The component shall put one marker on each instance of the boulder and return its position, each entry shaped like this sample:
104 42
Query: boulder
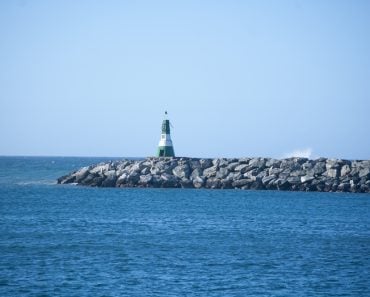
198 182
186 183
344 187
294 180
241 168
169 181
332 164
223 162
333 172
205 163
282 184
222 173
306 178
82 174
133 177
146 179
319 168
109 181
66 179
257 163
346 169
364 173
240 183
182 171
273 163
232 166
97 181
226 183
146 170
213 183
211 171
196 173
267 179
122 179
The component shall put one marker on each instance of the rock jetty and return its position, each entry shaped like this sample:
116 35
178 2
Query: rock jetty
292 174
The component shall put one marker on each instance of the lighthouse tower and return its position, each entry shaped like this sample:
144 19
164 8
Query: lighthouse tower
165 147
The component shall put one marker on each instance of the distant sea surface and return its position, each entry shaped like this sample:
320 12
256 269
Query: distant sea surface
63 240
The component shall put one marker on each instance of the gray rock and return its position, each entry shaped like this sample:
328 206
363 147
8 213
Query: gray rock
281 184
298 173
344 187
196 173
194 164
223 162
109 181
240 183
186 183
242 168
232 166
81 174
146 170
243 160
290 164
213 183
155 170
198 182
274 171
122 179
211 171
307 165
133 177
273 163
257 163
222 173
234 176
182 171
66 179
333 172
319 168
251 173
97 181
169 181
306 178
146 179
99 169
294 180
364 173
267 179
226 183
205 163
346 169
136 167
332 164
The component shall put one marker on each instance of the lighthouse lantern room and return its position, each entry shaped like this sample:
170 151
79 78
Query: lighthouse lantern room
165 147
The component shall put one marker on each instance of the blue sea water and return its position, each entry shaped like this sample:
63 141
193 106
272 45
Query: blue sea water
63 240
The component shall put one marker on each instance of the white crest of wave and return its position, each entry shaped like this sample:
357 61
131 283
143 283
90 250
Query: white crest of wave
300 153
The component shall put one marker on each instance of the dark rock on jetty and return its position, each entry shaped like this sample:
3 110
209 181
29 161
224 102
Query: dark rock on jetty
293 174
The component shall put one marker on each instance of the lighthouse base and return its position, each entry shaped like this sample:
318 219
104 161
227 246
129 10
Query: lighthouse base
165 151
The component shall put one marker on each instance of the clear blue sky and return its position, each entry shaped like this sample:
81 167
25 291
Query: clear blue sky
238 78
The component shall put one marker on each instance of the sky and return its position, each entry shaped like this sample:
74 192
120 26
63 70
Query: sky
238 78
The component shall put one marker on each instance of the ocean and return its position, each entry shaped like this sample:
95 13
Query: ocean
64 240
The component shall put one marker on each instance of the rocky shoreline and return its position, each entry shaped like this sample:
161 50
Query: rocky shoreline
292 174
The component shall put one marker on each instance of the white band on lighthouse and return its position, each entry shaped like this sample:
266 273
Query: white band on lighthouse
165 140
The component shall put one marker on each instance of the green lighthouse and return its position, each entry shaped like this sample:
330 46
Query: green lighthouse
165 147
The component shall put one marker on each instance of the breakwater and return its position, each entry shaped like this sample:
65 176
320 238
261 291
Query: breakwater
292 174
